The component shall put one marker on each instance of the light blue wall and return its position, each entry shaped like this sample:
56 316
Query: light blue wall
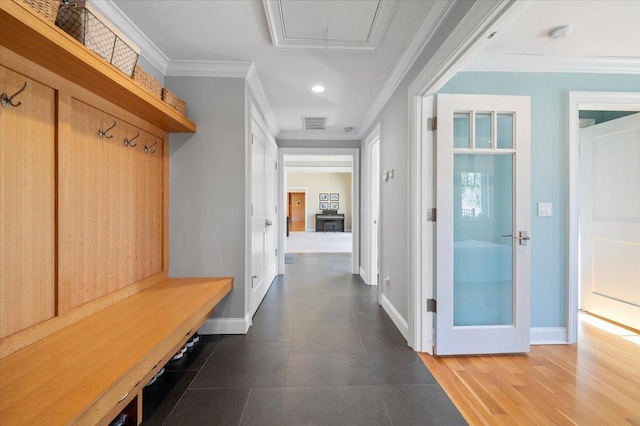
548 92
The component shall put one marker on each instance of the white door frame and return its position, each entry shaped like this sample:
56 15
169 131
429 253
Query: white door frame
469 37
367 269
355 197
598 101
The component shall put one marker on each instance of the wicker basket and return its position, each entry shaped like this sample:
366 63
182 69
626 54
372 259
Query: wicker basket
93 30
145 80
46 8
174 101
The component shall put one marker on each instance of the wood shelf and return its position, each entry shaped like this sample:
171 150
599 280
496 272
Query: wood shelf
38 40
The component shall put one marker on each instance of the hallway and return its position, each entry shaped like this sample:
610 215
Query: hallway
320 351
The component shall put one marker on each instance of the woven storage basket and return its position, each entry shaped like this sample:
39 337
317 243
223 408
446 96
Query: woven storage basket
174 101
46 8
145 80
90 28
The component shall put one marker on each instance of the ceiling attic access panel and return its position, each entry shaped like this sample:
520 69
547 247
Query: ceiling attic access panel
347 24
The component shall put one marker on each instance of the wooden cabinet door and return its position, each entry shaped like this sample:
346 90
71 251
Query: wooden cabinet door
27 204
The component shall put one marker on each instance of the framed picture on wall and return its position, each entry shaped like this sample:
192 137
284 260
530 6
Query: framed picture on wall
324 206
324 196
334 197
335 206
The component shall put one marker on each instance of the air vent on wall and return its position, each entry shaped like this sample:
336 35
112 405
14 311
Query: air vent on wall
310 122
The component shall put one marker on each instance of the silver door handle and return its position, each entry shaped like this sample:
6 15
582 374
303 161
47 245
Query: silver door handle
522 238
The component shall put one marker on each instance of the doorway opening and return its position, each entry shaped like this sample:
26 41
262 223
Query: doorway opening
330 179
604 222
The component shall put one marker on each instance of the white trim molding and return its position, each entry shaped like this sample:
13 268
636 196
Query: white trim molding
611 101
395 316
430 23
316 135
547 63
149 50
275 20
548 336
261 98
363 275
226 325
238 69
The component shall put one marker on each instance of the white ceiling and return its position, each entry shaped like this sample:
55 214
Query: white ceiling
235 33
605 32
235 30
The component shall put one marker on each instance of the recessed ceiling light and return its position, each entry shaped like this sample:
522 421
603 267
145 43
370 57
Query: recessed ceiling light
318 89
558 33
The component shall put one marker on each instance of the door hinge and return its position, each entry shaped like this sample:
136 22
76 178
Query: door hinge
432 215
276 252
276 209
431 305
432 124
276 166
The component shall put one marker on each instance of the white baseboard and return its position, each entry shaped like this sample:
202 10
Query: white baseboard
549 336
395 316
226 325
363 275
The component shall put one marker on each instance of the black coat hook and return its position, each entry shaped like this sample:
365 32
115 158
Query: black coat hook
127 142
6 100
148 150
103 133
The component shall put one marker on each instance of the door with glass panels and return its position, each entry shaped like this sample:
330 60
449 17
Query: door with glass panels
483 236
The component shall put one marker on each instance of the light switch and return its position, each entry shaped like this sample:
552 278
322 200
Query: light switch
545 209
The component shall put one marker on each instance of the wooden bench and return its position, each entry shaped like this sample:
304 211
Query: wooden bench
90 371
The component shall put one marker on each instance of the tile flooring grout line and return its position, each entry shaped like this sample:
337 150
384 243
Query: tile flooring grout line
244 409
384 404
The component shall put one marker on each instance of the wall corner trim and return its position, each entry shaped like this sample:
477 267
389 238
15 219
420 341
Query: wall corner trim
397 319
363 275
549 336
226 325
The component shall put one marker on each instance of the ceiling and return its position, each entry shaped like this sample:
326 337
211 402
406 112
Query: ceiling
359 49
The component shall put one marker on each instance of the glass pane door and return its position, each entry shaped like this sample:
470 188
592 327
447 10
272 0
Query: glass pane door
482 258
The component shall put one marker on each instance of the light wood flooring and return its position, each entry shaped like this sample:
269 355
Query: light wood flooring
596 382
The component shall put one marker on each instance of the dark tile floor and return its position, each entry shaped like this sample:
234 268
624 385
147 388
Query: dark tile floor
321 351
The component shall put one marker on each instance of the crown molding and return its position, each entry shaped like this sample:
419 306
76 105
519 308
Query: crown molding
468 38
261 98
315 135
275 22
430 23
150 51
232 69
547 63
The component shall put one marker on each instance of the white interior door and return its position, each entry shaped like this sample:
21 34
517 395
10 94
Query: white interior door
271 177
258 222
610 220
483 224
374 212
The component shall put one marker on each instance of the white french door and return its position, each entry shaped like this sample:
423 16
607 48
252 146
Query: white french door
483 224
610 220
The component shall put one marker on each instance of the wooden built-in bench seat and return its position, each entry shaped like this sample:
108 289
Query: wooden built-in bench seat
88 372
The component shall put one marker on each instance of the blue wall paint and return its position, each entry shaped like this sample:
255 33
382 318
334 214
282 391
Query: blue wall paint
548 92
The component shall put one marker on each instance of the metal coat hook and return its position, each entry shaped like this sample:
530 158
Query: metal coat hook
103 133
6 100
147 149
127 142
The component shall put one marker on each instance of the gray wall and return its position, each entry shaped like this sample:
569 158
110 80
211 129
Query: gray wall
308 143
394 154
207 186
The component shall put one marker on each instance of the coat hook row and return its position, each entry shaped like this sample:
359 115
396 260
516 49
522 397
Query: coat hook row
148 150
103 133
127 142
7 100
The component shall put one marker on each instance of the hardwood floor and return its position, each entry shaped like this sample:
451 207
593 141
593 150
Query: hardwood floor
596 382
